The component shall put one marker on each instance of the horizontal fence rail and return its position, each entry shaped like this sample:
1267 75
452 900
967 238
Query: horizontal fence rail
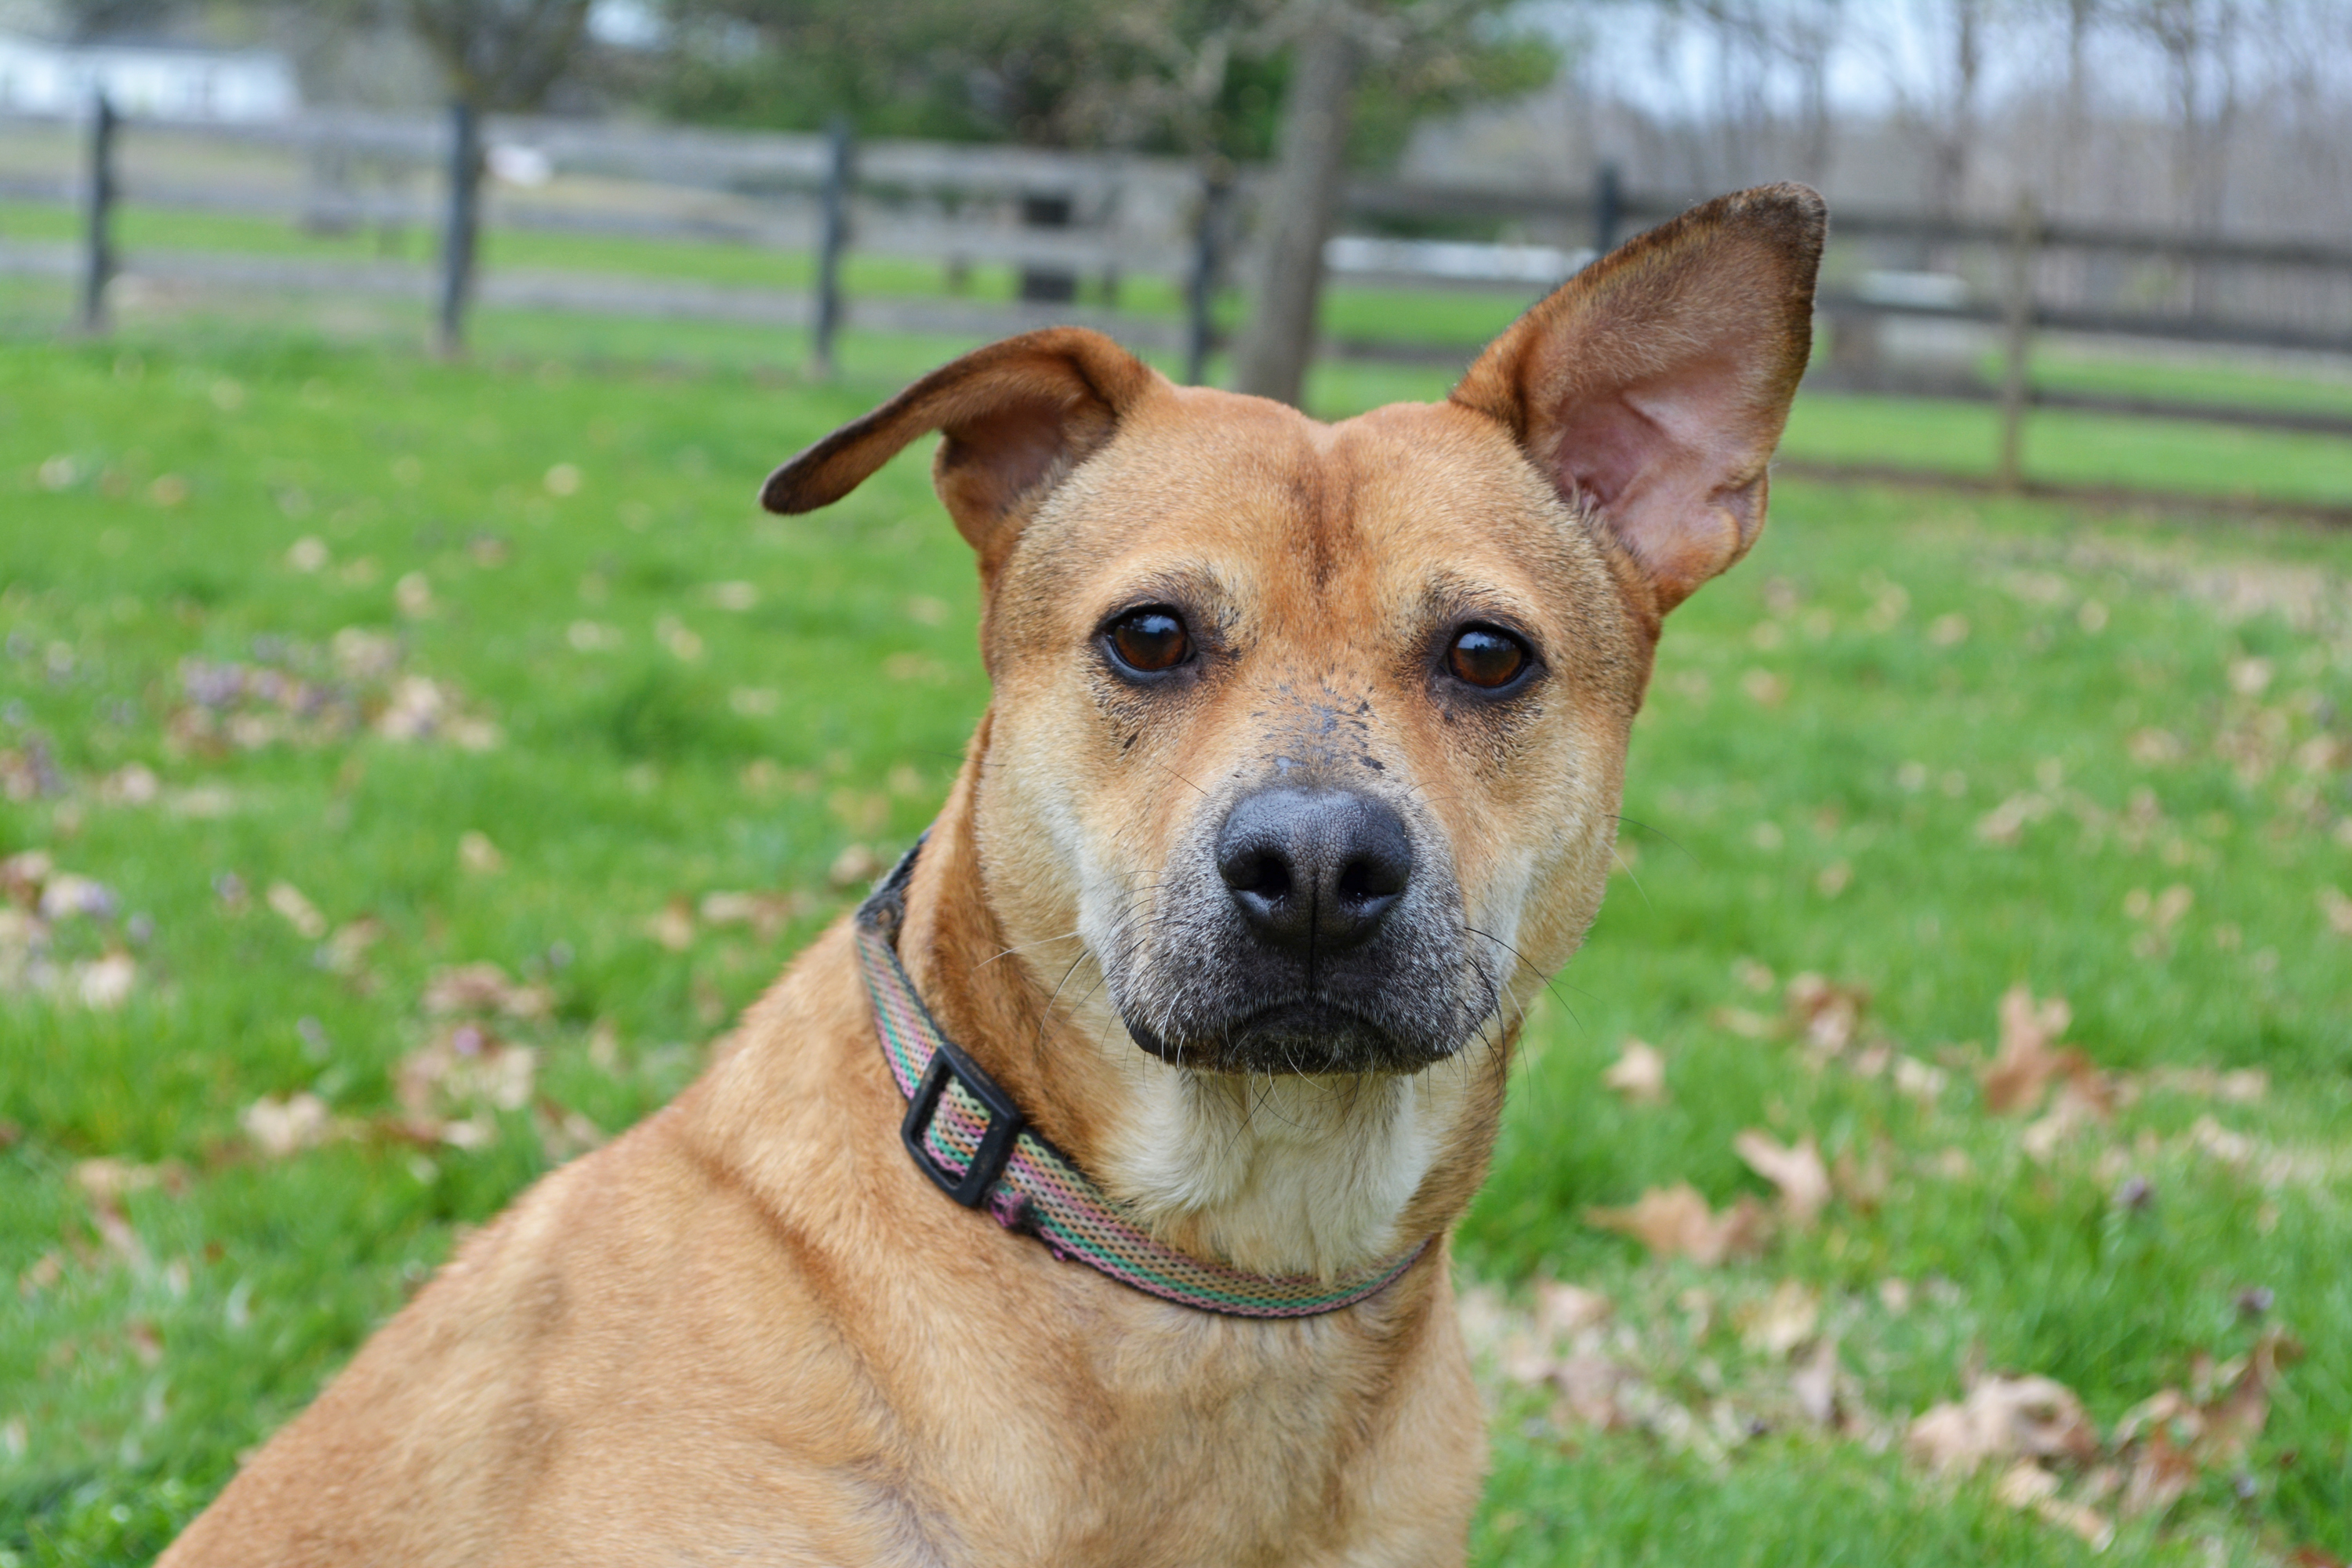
1069 223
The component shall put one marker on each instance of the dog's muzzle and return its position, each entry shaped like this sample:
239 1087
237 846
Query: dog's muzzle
1317 940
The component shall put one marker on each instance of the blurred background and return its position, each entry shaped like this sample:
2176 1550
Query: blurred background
2131 208
416 746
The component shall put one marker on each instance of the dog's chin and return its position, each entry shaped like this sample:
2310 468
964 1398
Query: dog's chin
1298 1038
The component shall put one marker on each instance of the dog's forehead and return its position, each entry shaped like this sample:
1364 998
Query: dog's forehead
1268 502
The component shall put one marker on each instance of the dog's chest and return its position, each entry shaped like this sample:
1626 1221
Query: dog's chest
1191 1440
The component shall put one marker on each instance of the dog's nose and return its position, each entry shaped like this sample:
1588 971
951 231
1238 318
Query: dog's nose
1314 870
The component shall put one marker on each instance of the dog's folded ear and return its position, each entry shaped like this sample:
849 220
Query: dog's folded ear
1018 416
1652 387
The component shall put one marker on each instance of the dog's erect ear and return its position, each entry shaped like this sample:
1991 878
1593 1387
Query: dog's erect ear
1653 386
1018 417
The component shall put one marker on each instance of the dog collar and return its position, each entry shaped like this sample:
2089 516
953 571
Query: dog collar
966 1134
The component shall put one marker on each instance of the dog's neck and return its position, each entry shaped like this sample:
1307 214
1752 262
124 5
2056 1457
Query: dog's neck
1320 1176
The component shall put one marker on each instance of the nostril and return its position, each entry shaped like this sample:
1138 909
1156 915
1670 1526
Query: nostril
1265 874
1367 878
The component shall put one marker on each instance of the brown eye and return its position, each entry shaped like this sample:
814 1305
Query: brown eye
1148 642
1485 656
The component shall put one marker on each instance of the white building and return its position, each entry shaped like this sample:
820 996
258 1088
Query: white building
159 81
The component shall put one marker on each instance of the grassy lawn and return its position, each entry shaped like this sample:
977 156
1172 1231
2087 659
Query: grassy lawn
327 669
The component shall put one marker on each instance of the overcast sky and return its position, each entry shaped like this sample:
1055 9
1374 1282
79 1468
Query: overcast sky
1886 53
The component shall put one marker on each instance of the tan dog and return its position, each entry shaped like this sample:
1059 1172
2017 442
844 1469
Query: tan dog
1299 777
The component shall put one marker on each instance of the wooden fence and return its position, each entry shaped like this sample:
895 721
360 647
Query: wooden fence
1075 225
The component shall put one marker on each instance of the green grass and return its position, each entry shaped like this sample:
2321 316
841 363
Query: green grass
1830 727
2184 380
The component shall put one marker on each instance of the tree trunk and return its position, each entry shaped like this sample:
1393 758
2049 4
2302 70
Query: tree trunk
2072 152
1951 174
461 230
1271 359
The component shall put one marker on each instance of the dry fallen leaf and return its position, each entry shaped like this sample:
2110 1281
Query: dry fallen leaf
1918 1079
478 854
1567 1311
1813 1382
24 874
134 783
1952 1164
1764 688
1825 1014
855 864
1589 1385
766 913
2232 1422
2004 826
1783 1321
66 896
1797 1171
449 1085
105 1183
1527 1347
44 1273
297 910
2083 1098
1861 1184
2027 1486
1485 1319
106 1180
422 709
1741 1021
1639 1074
2210 1137
2337 909
565 1133
345 952
674 926
1675 1222
2025 1064
2160 1474
2003 1419
484 989
104 983
281 1127
2242 1087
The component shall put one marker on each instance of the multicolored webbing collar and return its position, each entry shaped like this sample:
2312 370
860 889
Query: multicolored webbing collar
967 1135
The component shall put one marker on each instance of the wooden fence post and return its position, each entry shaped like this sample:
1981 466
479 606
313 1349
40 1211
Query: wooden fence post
2016 389
458 238
841 150
98 215
1608 209
1042 283
1201 289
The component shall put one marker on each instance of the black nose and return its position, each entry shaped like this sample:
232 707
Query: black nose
1314 870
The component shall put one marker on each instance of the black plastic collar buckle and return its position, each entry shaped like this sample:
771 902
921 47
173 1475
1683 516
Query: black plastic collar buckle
1004 1125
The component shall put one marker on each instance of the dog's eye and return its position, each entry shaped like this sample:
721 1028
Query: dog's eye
1150 641
1485 656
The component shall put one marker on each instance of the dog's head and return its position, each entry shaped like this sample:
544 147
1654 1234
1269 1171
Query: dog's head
1313 734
